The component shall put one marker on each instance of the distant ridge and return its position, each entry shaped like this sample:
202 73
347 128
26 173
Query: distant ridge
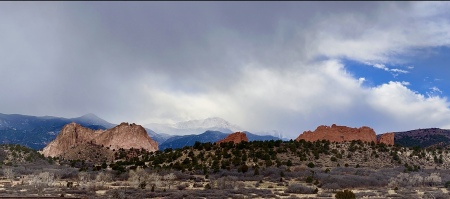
181 141
93 119
427 137
176 142
37 131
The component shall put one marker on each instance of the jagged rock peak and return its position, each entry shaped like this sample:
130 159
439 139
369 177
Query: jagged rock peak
235 137
339 134
124 136
70 136
127 136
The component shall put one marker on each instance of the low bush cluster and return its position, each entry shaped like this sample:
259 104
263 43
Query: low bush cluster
301 189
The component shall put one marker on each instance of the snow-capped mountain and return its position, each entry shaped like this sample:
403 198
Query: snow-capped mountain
274 133
213 122
195 127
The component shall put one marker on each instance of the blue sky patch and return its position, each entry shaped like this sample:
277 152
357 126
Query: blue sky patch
426 73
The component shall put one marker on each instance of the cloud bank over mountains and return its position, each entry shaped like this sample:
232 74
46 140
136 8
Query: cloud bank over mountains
260 65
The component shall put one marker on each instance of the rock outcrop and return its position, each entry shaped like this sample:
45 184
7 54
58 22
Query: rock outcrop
234 137
70 136
387 138
124 136
339 134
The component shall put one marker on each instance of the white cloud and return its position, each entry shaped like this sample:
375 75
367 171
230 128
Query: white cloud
321 93
151 66
405 83
394 30
361 80
396 70
276 84
408 109
381 66
434 91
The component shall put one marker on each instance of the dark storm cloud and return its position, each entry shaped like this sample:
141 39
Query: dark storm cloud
192 40
138 61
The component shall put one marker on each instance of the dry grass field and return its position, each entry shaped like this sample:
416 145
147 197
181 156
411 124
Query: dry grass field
248 170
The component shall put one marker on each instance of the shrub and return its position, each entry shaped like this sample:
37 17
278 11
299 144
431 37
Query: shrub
208 186
181 186
447 184
243 168
311 165
300 189
331 186
346 194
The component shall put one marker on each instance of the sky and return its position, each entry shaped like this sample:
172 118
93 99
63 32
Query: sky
285 66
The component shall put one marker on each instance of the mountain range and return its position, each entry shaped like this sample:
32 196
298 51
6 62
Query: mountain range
195 127
37 131
208 130
208 136
429 137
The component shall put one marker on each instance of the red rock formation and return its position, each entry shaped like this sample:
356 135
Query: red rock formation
387 138
122 136
339 134
126 136
235 137
70 136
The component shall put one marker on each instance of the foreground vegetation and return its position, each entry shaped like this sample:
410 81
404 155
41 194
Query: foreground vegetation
269 169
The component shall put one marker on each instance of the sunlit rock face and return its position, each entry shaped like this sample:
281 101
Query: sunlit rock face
387 138
234 137
124 136
339 134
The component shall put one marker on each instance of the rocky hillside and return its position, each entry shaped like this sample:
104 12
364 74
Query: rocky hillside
13 154
423 137
343 133
124 136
